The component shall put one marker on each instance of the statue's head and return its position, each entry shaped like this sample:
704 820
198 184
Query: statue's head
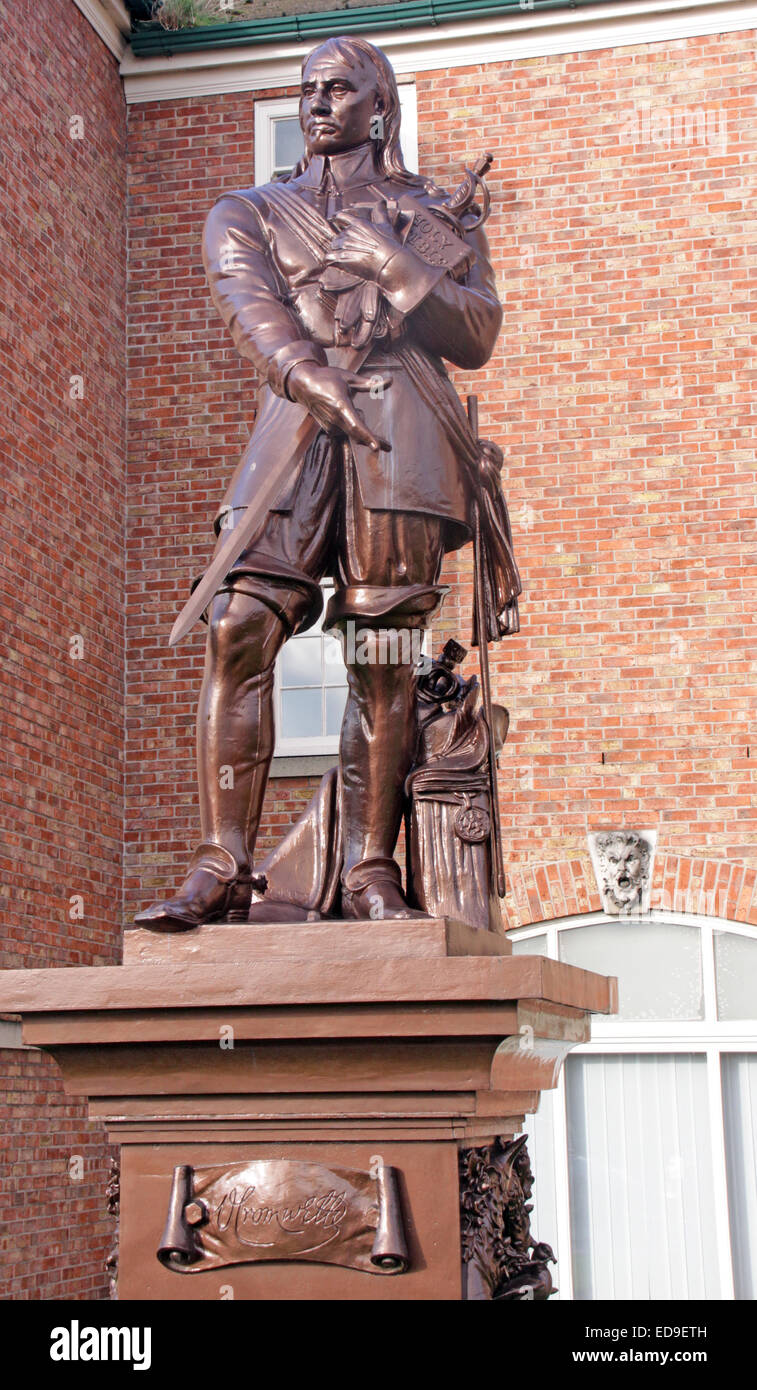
624 857
349 96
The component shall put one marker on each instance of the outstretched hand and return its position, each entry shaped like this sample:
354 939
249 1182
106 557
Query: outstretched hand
325 392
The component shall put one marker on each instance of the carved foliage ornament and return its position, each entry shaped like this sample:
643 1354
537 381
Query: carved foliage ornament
113 1198
500 1258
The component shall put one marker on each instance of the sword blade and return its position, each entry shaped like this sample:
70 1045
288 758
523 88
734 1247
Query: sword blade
282 437
275 465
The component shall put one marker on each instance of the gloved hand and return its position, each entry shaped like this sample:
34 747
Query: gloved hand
325 392
366 248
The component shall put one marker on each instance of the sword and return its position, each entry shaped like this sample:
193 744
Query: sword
284 430
482 633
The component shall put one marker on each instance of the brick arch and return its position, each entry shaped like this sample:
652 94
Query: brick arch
680 883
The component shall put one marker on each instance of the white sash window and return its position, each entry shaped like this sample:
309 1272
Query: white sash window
645 1156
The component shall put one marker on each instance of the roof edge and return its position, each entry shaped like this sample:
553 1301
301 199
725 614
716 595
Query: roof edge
150 40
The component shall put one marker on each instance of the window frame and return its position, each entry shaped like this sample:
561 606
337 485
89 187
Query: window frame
267 112
708 1036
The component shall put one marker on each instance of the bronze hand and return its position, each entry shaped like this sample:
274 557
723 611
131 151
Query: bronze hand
325 392
363 247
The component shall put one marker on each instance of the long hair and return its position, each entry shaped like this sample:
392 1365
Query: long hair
356 53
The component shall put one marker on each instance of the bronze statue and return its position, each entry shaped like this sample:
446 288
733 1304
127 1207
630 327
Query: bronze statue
351 279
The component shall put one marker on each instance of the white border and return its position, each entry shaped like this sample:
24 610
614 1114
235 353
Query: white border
266 114
110 20
464 43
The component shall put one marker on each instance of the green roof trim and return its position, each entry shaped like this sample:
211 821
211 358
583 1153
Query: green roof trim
151 40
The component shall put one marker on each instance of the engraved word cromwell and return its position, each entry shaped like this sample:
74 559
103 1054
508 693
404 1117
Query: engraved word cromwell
236 1211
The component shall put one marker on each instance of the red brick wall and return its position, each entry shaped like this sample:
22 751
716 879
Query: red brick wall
620 392
62 461
55 1232
567 888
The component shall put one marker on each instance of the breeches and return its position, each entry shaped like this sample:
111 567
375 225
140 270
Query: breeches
385 565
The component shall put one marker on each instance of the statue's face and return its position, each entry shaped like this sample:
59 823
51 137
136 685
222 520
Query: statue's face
624 871
337 104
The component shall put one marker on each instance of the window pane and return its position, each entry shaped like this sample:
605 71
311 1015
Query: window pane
301 662
736 973
641 1190
301 713
658 965
544 1199
335 700
311 665
530 946
327 589
288 143
740 1111
335 672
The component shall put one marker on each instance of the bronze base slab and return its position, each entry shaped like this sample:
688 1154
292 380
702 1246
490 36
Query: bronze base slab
333 1043
327 940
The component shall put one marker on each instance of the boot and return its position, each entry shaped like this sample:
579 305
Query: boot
211 890
377 747
373 889
235 738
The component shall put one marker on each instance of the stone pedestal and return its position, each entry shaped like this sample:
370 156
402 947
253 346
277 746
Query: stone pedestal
354 1046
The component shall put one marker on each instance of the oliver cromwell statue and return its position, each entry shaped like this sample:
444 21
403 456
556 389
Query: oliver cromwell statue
347 284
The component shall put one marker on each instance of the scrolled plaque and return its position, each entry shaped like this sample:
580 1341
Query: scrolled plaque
282 1209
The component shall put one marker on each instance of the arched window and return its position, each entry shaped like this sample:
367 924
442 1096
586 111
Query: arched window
646 1154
